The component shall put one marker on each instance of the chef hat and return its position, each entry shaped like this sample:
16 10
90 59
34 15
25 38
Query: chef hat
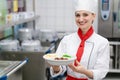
87 5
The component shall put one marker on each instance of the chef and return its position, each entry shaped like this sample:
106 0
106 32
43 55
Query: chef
91 49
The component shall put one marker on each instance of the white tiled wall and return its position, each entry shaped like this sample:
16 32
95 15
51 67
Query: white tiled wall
29 5
55 14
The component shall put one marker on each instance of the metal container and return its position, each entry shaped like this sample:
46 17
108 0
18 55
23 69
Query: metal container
25 34
48 35
9 45
31 45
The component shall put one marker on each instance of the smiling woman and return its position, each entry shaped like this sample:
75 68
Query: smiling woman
84 19
91 49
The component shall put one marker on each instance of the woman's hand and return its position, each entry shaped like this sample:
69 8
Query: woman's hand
56 68
77 68
81 69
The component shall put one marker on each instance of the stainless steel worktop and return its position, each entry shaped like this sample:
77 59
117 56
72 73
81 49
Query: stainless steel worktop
35 67
8 68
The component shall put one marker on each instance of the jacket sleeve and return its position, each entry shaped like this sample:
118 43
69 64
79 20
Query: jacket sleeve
61 72
61 49
101 66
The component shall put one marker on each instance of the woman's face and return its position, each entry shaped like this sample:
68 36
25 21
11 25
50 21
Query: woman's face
84 20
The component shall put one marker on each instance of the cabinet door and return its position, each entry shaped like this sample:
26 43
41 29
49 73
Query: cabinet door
116 23
105 26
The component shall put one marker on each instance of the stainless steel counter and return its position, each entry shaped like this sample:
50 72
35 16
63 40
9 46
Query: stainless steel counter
35 67
9 68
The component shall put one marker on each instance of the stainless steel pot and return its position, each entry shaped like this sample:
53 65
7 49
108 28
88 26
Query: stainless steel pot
31 45
48 35
25 34
9 45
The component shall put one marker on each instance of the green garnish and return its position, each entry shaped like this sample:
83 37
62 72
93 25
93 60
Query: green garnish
66 56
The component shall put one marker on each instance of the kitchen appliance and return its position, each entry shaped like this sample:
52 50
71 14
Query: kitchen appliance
109 18
109 27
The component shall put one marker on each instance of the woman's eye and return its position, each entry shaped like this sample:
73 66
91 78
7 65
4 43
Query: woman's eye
85 15
77 15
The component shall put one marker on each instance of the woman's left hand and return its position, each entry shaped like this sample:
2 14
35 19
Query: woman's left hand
77 68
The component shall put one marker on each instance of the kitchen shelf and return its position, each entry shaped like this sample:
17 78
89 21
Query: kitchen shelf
1 38
17 22
114 43
114 71
116 57
12 24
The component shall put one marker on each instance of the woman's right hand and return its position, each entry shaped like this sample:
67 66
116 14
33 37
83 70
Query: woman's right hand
56 68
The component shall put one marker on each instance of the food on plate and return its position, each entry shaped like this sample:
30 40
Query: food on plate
56 59
50 56
66 56
61 58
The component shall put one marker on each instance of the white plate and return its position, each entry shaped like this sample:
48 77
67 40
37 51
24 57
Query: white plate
50 58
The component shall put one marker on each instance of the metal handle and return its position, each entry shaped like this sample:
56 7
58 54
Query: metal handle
19 66
52 47
114 16
4 77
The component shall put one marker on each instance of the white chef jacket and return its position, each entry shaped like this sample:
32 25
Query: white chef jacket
95 56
